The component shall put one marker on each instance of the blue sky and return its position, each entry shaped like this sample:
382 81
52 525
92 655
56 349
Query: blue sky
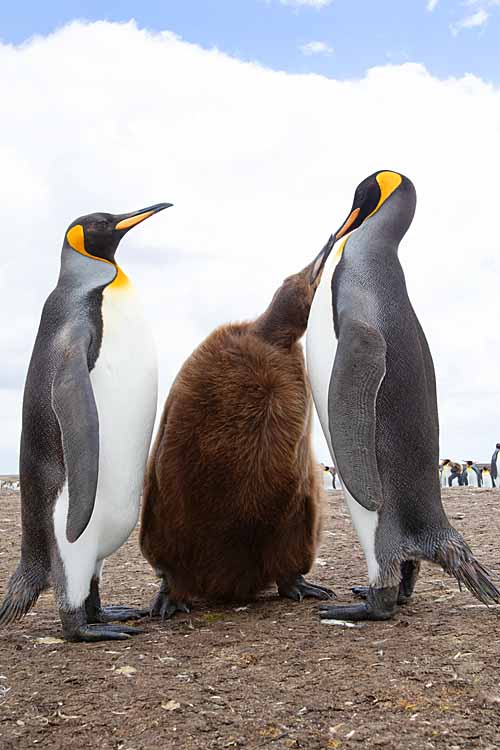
451 37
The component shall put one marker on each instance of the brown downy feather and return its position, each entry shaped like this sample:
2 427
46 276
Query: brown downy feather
232 495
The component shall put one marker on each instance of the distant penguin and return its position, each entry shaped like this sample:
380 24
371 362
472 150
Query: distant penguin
486 479
473 474
329 477
445 472
88 413
232 498
495 468
456 478
373 384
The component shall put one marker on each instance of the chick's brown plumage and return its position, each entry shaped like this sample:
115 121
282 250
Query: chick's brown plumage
232 492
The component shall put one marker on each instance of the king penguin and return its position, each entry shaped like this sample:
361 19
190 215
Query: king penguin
495 460
88 412
486 480
373 383
473 474
445 471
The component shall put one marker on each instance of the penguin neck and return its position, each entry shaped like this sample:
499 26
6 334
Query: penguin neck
387 227
86 272
278 325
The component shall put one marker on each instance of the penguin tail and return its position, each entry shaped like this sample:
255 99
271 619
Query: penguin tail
456 558
23 590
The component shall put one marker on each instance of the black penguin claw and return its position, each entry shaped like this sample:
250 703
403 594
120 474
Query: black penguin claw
300 588
121 613
360 591
93 633
164 607
380 604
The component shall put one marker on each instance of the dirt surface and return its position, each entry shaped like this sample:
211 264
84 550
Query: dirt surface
269 675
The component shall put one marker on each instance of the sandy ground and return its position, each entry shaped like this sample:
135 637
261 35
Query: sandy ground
269 675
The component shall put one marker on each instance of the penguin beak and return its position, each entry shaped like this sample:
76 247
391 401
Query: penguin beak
319 262
346 226
316 267
127 221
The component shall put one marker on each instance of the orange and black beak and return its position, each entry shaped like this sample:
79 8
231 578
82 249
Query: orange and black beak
319 262
127 221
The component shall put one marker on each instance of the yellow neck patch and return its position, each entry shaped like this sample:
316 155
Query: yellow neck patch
388 182
340 250
76 239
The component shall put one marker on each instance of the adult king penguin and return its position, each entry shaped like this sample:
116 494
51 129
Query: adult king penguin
486 480
473 474
88 412
373 384
445 471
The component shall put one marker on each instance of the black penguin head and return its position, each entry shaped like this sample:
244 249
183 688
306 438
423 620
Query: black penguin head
98 235
369 197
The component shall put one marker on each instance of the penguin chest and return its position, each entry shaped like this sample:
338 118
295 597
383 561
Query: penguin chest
486 477
472 478
321 348
321 345
124 381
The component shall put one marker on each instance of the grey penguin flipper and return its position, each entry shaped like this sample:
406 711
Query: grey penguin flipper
358 371
75 407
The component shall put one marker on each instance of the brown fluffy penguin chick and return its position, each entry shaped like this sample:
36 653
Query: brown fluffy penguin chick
232 494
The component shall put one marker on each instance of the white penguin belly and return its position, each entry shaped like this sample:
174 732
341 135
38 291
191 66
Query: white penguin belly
487 483
444 477
124 382
321 347
472 478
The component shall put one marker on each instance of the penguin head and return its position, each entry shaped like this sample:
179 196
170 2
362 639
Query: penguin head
369 197
98 235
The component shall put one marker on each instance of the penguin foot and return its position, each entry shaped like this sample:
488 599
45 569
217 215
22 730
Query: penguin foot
362 593
97 632
119 613
409 574
299 588
165 607
380 604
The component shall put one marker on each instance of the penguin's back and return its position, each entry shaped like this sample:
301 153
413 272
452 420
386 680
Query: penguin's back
241 408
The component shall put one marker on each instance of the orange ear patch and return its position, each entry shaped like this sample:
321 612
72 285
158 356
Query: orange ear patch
388 182
76 239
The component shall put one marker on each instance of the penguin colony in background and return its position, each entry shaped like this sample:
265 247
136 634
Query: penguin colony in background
455 474
232 500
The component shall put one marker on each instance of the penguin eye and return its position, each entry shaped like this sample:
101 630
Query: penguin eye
360 196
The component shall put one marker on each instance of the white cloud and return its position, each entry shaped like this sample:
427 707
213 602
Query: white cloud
432 5
261 167
316 48
307 3
474 20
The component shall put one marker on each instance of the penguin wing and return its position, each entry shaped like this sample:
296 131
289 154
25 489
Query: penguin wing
358 371
74 405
